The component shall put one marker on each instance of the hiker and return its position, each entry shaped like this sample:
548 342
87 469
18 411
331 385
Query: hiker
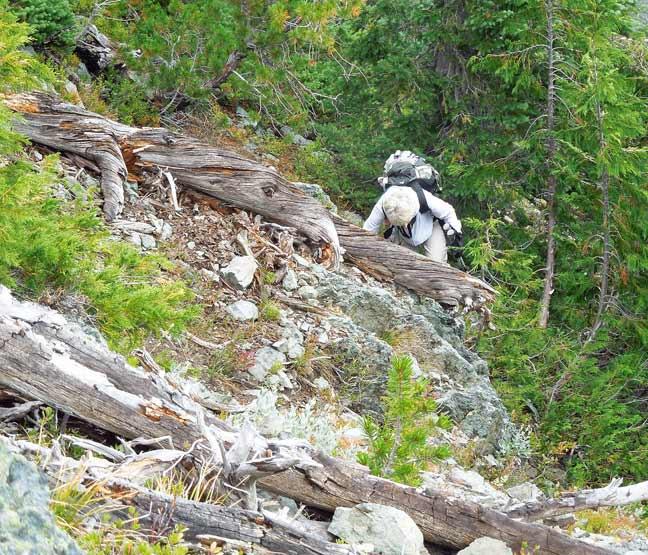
414 215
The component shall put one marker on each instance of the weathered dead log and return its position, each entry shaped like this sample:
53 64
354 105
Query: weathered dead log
390 262
263 529
118 149
612 495
45 357
18 411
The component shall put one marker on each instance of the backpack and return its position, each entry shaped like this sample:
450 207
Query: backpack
406 169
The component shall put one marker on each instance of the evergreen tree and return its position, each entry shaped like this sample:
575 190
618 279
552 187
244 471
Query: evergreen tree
399 446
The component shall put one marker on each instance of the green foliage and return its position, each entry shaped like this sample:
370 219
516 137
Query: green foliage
53 245
18 72
185 45
398 447
270 311
52 21
469 91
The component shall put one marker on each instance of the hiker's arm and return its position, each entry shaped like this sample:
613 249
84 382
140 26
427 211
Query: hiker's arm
444 212
375 219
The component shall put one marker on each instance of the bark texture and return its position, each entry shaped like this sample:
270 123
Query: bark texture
120 151
613 495
45 357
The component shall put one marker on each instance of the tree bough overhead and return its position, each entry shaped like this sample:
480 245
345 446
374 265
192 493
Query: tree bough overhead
119 151
46 357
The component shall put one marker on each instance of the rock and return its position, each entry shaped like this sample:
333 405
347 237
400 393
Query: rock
391 531
416 368
486 546
526 492
468 478
26 525
290 281
314 190
72 91
321 383
265 359
82 73
239 273
280 380
163 230
464 484
128 226
637 544
352 217
148 241
136 239
245 119
291 342
95 50
295 138
243 311
307 292
458 377
209 275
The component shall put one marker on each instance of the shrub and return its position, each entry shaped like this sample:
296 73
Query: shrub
49 244
398 447
270 311
52 21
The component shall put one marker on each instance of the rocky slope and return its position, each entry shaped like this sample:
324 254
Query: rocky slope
304 352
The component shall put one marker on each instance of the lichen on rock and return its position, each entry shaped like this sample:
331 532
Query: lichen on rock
26 525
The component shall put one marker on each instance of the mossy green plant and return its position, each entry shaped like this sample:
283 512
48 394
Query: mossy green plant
61 247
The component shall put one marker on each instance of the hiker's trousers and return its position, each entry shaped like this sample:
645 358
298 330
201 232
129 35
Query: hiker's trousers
434 247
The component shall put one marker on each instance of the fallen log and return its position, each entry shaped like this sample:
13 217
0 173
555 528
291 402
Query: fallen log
264 529
120 151
45 357
612 495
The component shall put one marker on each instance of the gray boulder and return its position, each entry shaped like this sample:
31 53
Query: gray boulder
307 292
26 525
295 138
434 337
243 311
389 530
239 273
486 546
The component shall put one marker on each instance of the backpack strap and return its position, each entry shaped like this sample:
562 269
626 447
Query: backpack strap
420 194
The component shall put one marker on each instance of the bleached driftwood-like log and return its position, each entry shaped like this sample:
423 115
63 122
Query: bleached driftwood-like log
18 411
262 529
45 357
612 495
119 150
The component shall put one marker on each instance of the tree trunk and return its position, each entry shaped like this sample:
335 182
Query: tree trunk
605 191
120 150
233 61
47 358
551 168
